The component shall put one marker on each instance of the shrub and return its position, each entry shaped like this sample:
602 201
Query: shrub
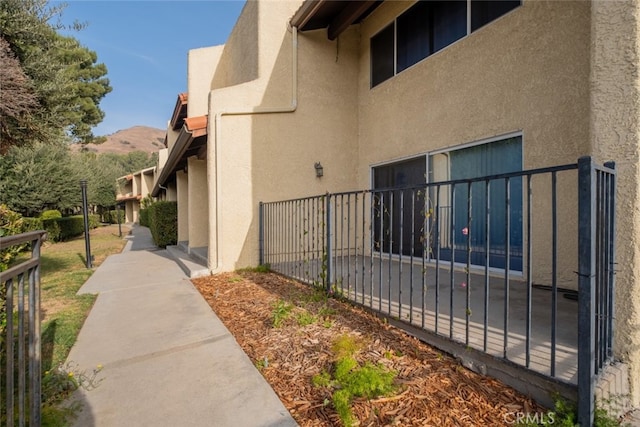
51 214
94 221
111 216
144 217
10 223
52 228
32 224
163 223
71 226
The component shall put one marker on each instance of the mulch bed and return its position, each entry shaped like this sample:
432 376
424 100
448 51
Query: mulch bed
433 388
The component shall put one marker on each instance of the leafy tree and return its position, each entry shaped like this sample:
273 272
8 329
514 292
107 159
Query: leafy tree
63 76
38 177
18 98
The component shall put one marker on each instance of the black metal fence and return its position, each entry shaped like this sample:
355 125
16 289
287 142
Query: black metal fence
512 264
20 367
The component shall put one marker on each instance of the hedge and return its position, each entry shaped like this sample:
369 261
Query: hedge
144 217
111 217
163 223
60 229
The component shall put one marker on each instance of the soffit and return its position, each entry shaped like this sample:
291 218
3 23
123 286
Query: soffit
335 15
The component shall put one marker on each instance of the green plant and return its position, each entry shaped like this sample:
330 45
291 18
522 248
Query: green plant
50 214
281 312
305 318
163 223
351 379
11 223
58 384
564 414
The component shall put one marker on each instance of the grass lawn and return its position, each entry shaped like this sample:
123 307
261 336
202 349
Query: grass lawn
63 272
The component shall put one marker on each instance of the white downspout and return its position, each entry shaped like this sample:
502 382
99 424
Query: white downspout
243 112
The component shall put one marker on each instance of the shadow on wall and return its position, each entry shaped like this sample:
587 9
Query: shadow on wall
240 65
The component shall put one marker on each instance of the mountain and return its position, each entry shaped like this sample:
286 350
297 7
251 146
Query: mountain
137 138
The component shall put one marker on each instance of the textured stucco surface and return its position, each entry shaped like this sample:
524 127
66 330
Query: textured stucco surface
615 135
264 157
526 72
562 74
201 65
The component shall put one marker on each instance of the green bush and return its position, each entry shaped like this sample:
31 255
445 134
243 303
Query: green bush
31 224
11 223
94 221
51 214
71 226
53 229
111 216
144 217
163 223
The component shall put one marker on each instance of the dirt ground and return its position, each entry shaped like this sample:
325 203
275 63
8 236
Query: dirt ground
433 389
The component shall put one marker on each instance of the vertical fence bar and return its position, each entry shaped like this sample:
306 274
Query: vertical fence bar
586 283
554 268
10 351
371 247
467 312
381 246
328 247
529 276
390 256
400 250
35 350
348 245
261 233
487 260
22 365
507 242
437 243
411 249
425 252
611 208
452 241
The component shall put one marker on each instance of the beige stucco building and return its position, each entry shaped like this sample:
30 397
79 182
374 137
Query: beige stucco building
131 189
365 91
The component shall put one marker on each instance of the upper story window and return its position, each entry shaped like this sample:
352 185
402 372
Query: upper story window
427 27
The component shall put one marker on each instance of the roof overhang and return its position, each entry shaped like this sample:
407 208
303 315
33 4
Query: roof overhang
179 112
192 137
334 15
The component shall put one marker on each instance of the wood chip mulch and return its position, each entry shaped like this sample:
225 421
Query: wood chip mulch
433 388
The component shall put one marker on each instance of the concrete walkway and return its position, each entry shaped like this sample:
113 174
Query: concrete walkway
167 359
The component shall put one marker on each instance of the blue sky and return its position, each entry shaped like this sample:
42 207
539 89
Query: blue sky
144 45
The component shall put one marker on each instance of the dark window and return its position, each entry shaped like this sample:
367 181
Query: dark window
485 11
449 22
414 39
425 28
382 56
399 211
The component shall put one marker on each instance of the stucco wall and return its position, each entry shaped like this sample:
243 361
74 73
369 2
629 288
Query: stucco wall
265 157
526 72
198 203
182 193
615 135
201 65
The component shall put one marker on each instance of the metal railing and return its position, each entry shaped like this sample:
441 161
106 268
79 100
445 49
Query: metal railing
488 262
20 367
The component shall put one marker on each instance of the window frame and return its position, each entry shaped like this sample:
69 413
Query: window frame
394 23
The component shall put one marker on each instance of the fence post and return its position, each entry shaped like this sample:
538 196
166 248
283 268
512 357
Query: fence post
85 210
586 285
328 248
35 346
261 233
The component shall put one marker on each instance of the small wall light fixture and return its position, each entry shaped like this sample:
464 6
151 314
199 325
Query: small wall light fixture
319 169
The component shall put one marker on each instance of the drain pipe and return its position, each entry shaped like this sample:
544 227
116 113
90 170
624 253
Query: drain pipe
252 111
